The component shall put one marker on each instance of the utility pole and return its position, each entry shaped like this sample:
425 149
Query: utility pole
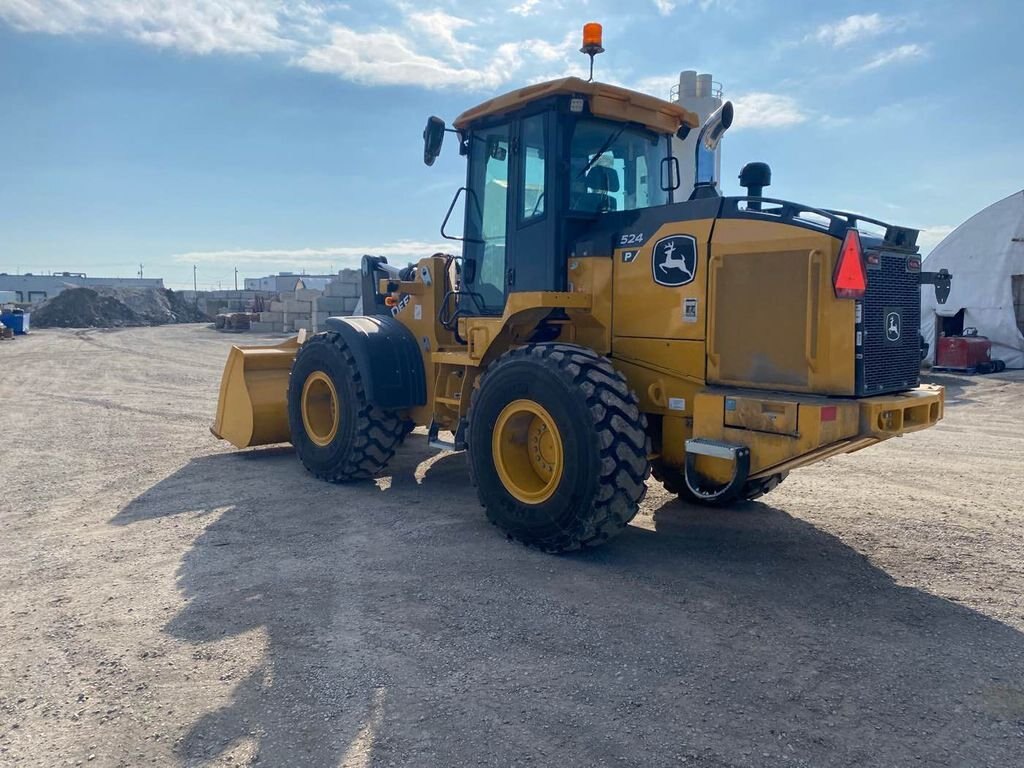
236 278
195 286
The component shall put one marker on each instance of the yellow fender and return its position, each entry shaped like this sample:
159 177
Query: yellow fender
253 404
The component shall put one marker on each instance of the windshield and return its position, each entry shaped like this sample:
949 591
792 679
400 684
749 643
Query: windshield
615 167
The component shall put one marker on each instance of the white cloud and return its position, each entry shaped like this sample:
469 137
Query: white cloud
665 7
656 85
525 8
440 26
437 55
767 110
932 236
338 256
426 48
851 29
407 46
388 58
832 121
900 53
195 26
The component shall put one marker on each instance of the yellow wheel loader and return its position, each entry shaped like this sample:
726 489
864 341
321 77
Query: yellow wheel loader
602 321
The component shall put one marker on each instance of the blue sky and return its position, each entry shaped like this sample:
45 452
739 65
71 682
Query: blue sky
283 134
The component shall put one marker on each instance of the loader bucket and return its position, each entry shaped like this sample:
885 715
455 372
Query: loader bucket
253 405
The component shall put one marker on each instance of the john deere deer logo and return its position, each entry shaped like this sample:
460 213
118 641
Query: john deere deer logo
892 326
674 262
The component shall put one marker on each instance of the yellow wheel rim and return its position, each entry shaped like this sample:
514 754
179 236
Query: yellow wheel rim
320 408
527 450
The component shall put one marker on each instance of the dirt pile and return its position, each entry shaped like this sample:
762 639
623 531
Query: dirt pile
114 308
183 310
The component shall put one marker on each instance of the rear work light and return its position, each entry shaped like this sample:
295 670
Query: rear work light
850 279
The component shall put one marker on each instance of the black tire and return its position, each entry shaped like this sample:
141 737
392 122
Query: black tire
366 436
603 442
672 478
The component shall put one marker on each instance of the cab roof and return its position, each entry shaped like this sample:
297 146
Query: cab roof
608 101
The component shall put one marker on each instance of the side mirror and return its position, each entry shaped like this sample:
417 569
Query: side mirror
433 135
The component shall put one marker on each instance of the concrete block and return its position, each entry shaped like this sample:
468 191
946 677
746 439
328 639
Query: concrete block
297 322
307 294
278 306
350 305
334 304
262 327
296 307
271 317
320 321
341 288
287 295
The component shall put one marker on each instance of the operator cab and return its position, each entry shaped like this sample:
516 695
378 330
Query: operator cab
544 163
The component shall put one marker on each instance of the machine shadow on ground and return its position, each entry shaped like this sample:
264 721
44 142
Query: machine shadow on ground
401 627
957 386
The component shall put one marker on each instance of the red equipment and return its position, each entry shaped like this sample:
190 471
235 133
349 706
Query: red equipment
966 353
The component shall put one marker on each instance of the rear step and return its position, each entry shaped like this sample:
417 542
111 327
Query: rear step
458 444
739 455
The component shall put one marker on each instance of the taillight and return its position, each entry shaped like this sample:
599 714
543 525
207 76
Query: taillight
850 279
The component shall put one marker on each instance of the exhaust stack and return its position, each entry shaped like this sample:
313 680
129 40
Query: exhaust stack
700 94
704 183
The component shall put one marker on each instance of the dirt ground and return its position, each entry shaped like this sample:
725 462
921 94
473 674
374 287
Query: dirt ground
169 601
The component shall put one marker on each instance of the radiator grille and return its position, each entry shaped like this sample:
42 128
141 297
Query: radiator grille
889 347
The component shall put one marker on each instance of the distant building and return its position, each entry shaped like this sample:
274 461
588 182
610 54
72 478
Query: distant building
985 255
31 289
287 281
315 282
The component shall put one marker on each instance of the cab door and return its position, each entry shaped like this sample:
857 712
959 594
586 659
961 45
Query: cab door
511 211
532 263
487 218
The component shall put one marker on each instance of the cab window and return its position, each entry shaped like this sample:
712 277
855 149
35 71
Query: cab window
486 221
533 168
615 167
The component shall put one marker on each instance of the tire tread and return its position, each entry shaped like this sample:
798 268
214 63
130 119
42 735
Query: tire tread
621 430
377 433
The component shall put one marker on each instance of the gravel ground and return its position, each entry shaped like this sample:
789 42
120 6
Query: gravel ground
169 601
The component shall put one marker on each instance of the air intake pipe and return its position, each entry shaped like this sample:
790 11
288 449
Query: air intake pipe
704 182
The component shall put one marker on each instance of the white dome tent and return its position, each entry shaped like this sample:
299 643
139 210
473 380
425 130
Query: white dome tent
985 255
